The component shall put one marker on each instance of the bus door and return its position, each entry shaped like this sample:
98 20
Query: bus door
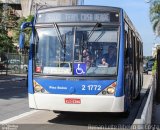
128 63
134 65
136 68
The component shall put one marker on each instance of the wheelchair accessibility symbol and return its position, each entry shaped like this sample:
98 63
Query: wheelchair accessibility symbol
79 69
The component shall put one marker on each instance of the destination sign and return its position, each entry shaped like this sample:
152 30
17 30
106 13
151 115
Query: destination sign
78 17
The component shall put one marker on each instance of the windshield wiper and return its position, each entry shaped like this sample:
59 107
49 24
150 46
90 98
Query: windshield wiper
100 36
59 35
60 39
92 31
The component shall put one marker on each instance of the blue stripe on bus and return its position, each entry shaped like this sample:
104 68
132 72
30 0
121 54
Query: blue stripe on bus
30 69
121 71
81 87
120 79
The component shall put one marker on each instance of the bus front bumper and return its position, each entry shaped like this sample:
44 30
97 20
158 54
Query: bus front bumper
81 103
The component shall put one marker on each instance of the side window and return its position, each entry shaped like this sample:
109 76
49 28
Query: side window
126 40
131 44
126 44
137 53
128 47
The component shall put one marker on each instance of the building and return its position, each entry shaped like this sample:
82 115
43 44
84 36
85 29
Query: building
25 8
14 4
11 12
154 49
28 6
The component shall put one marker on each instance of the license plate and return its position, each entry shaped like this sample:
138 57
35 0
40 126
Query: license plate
72 101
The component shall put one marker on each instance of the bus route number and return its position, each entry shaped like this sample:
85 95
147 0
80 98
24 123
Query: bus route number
91 87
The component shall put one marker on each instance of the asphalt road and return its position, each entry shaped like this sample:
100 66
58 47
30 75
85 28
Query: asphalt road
13 96
69 121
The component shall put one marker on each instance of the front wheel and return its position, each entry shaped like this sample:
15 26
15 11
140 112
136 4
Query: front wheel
126 113
138 96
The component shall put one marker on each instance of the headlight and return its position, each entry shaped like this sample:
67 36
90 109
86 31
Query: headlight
110 90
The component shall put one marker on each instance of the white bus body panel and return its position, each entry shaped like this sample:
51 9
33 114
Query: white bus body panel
89 103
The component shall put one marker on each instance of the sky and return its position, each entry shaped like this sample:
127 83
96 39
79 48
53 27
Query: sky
138 12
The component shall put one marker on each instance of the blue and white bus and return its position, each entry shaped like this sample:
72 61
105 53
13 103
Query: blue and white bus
66 71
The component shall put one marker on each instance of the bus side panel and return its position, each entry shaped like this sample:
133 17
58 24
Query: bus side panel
120 79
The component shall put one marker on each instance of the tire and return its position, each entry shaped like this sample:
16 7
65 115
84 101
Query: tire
147 72
57 112
126 114
138 97
62 112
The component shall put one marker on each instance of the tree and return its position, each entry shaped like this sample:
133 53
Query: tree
155 16
6 43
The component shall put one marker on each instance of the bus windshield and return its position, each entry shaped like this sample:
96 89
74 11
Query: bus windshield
77 50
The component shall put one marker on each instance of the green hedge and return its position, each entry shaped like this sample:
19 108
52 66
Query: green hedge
154 68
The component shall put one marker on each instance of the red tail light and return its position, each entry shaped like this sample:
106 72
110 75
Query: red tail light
38 69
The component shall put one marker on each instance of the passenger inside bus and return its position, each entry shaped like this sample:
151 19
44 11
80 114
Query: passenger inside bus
87 58
104 63
111 56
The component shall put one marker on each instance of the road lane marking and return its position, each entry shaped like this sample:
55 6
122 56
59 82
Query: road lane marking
18 117
17 79
1 81
13 79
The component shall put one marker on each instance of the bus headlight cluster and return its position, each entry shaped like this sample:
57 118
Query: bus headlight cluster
110 89
37 87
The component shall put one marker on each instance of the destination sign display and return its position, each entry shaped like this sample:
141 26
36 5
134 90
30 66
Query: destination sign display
78 17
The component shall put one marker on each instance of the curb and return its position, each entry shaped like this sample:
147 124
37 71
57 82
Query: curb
146 116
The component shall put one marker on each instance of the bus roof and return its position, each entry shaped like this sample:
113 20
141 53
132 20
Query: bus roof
84 7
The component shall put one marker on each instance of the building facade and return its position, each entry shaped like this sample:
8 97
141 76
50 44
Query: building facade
14 4
154 49
28 6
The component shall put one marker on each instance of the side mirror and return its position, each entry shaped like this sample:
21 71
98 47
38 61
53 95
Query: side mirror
26 25
22 36
21 40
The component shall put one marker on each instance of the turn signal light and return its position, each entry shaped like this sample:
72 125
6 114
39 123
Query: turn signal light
109 90
37 87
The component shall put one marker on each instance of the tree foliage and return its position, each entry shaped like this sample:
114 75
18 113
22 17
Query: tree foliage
6 43
155 16
11 23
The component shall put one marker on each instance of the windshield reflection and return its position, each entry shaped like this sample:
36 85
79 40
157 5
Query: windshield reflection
61 50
